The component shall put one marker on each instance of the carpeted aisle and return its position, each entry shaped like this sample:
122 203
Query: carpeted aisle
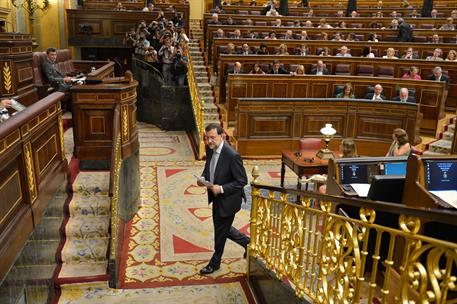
171 237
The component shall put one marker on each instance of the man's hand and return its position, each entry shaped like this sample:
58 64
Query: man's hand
6 103
216 189
199 182
67 79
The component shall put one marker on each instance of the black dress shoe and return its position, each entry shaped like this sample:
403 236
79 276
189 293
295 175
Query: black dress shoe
209 269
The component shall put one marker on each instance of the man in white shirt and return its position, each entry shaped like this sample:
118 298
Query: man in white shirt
377 94
344 52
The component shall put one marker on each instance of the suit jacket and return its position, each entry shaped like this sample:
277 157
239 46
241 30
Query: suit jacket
411 99
281 70
324 71
405 32
230 174
444 78
370 96
54 76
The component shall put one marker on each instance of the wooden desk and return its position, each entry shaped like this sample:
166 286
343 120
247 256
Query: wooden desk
306 163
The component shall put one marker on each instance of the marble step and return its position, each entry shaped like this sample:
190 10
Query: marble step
38 294
85 227
448 135
441 146
88 250
201 74
83 270
201 79
451 128
39 252
210 117
48 229
32 272
200 68
56 205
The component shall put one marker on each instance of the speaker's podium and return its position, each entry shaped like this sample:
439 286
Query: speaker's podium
94 108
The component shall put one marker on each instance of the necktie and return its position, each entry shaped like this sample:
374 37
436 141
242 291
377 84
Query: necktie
212 166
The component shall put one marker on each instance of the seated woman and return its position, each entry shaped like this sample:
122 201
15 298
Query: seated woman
257 70
390 54
300 70
451 56
367 52
348 92
413 73
282 50
400 145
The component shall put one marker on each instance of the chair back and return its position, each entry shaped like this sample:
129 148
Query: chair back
310 143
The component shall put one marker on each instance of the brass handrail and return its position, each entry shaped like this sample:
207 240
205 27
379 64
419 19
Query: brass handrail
330 258
198 105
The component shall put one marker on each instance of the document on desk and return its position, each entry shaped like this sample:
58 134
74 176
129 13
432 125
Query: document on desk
206 183
449 196
361 189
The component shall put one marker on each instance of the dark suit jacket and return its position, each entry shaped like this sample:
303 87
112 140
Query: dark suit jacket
281 70
370 96
444 78
230 174
411 99
54 76
405 32
314 71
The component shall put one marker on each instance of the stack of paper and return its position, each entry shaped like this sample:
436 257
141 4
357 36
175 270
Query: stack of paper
449 196
361 189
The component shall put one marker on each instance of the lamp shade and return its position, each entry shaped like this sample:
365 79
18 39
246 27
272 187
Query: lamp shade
328 130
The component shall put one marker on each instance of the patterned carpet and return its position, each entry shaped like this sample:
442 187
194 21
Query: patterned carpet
169 239
99 293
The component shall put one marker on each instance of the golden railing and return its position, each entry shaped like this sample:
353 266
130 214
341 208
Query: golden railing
198 105
331 258
116 162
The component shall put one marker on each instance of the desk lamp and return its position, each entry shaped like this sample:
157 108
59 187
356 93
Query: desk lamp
328 131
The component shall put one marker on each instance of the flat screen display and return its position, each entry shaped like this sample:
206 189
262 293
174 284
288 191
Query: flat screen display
396 168
441 175
353 173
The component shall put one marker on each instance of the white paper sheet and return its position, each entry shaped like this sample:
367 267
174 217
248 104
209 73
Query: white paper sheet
449 196
361 189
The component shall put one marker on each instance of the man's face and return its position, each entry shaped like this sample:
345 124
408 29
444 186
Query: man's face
403 94
437 73
276 66
52 56
214 139
320 65
378 90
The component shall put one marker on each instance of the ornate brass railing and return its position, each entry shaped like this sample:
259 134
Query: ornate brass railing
331 258
116 162
198 106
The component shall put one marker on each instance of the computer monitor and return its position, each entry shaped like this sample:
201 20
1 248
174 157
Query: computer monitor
355 173
440 174
394 168
387 188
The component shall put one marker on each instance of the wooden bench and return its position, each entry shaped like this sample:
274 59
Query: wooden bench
430 95
357 66
265 126
362 34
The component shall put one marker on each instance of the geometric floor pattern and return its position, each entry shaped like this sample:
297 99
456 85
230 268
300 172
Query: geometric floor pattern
171 237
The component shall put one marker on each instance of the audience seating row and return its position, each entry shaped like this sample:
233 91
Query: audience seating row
357 66
430 95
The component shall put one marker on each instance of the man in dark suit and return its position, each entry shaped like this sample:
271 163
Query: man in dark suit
224 169
277 68
319 69
404 96
377 94
438 76
405 31
52 74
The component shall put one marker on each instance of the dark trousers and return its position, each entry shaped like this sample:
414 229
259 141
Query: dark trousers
223 229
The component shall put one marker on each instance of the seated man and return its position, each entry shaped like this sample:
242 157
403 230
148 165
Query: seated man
438 76
52 74
245 50
410 54
277 68
404 96
235 69
437 53
344 52
377 94
319 69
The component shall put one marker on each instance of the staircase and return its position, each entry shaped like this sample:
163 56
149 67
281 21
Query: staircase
444 143
205 88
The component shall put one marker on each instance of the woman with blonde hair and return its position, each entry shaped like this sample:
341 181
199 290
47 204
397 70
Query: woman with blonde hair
400 145
300 70
451 56
282 49
390 54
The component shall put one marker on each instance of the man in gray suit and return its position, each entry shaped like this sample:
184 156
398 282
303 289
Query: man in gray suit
224 169
52 74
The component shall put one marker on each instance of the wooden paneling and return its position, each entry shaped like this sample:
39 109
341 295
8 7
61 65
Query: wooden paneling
324 87
265 126
32 166
93 119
